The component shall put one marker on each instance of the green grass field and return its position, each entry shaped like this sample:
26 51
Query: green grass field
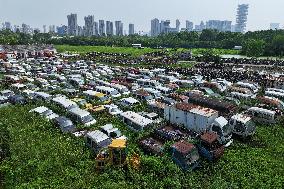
42 157
85 49
134 51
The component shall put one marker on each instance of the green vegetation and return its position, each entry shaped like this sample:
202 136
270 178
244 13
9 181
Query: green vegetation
254 48
105 49
273 40
40 156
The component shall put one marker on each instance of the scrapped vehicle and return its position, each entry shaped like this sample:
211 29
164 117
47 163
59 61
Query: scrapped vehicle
224 131
174 133
262 115
135 121
152 145
96 140
209 147
45 112
113 109
80 101
65 124
243 125
103 98
94 109
112 132
185 155
129 102
7 93
81 116
17 99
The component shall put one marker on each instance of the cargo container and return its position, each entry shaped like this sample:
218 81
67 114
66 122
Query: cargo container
193 117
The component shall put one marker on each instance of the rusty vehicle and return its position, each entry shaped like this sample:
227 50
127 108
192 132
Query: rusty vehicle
185 155
209 147
152 145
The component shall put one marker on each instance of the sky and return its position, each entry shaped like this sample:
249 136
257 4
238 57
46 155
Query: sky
37 13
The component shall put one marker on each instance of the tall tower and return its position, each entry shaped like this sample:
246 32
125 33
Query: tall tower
131 29
241 21
102 30
109 28
155 27
177 25
118 28
72 24
89 25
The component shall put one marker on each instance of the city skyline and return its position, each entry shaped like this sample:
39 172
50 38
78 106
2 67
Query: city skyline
259 16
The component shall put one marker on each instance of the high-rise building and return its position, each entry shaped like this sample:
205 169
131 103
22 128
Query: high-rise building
7 26
165 26
219 25
89 25
131 29
96 28
72 24
155 27
44 28
177 25
61 30
118 28
109 28
102 30
189 25
241 20
25 28
51 29
274 26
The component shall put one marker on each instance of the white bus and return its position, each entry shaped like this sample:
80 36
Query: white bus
108 91
262 115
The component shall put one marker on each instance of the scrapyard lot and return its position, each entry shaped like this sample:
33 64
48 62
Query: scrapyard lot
35 152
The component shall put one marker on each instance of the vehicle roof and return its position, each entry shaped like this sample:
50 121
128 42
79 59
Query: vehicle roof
241 117
80 112
261 110
97 136
196 109
131 100
183 147
118 143
136 118
209 137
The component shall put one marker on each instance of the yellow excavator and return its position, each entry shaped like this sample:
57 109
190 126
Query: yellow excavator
116 155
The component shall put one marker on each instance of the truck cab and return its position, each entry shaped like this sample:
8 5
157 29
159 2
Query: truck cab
209 147
243 125
223 129
185 155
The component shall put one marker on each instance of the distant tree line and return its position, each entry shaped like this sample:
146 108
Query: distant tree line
258 43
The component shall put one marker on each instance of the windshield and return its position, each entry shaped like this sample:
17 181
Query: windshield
227 129
193 156
87 119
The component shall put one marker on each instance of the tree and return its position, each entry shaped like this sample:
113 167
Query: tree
254 47
278 45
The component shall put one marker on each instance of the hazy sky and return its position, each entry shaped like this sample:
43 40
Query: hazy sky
38 12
